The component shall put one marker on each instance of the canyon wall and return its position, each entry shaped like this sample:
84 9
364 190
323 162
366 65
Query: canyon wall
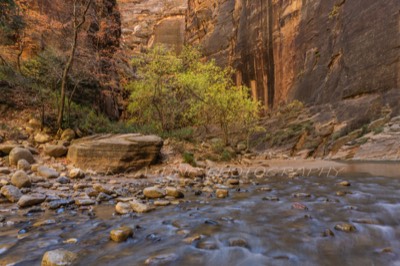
312 50
145 22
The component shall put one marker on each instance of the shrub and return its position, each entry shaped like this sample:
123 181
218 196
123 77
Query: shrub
174 92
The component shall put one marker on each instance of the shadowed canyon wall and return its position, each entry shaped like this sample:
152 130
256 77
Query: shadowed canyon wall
312 50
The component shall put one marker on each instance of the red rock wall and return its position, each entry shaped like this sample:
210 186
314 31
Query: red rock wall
315 51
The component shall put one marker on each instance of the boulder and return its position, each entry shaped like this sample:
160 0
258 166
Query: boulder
31 200
59 257
18 153
139 207
123 208
13 194
111 154
55 151
20 179
6 148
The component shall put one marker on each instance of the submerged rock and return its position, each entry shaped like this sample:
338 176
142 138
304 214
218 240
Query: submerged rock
162 259
59 257
222 193
115 153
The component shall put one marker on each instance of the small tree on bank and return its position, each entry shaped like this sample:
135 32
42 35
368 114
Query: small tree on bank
172 92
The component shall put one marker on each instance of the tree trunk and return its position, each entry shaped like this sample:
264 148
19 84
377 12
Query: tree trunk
70 61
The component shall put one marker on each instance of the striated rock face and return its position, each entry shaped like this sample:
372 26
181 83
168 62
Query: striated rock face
145 22
115 153
316 51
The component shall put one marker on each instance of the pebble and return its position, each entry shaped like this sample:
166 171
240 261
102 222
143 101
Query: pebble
59 257
121 234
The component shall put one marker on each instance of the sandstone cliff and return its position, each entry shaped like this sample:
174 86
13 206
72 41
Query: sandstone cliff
315 51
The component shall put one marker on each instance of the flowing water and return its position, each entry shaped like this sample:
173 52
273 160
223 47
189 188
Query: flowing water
251 227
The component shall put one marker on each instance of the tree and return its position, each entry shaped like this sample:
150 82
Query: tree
79 19
173 92
11 21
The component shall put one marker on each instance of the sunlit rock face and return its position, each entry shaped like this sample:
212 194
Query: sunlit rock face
315 51
146 22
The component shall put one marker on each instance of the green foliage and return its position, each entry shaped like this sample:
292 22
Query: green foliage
189 158
11 21
174 92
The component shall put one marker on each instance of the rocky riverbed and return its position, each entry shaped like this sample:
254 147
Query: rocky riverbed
280 213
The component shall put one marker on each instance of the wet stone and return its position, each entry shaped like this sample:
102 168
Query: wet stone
139 207
59 257
121 234
302 195
60 203
344 184
238 242
328 233
162 259
299 206
123 208
207 245
270 198
23 165
222 193
345 227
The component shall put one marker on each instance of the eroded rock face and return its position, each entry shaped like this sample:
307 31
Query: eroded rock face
152 21
316 51
115 153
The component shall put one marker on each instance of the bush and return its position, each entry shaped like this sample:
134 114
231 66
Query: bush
174 92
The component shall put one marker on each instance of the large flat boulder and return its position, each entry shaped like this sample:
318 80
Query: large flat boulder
112 154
